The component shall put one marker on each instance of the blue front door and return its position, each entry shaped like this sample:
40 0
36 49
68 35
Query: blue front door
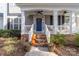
39 24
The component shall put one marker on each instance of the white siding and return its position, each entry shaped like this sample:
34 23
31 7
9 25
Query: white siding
28 19
47 19
77 23
13 8
3 9
1 22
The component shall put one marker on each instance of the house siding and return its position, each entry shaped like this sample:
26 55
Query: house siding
47 19
28 20
1 22
77 23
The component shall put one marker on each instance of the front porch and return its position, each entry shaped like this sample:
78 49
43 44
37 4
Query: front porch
48 19
48 22
59 22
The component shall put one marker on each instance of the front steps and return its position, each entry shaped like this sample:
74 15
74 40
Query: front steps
39 40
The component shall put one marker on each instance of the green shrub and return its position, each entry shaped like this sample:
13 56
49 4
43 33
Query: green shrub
10 33
77 39
4 33
15 33
57 39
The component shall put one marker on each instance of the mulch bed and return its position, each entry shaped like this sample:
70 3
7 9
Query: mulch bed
18 52
69 50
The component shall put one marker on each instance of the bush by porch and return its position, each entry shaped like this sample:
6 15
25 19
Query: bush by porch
65 44
11 43
10 33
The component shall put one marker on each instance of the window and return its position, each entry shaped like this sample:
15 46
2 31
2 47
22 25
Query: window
11 26
15 20
8 23
19 26
63 19
51 20
14 23
15 26
66 19
59 20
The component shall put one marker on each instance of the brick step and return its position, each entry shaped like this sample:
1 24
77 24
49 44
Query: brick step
41 44
41 40
41 36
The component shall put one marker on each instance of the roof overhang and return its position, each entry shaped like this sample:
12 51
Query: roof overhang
48 6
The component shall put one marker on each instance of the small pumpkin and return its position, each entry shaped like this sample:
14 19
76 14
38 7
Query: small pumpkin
33 39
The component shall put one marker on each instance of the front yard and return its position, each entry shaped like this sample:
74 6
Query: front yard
13 47
67 50
11 43
64 45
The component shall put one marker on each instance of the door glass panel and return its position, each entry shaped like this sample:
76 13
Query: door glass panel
16 20
15 26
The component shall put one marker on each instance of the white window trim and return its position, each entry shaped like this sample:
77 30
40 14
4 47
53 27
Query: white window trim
13 18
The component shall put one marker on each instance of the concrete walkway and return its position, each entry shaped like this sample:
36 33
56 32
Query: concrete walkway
40 51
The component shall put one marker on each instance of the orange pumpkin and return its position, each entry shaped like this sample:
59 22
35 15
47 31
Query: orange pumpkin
33 39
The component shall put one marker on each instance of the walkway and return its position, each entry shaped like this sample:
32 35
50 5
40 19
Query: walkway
40 51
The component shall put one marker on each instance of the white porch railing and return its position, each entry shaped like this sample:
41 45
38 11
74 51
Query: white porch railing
51 29
30 33
27 28
47 32
63 29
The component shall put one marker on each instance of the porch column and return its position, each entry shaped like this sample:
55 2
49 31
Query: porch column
24 35
73 22
23 23
5 20
55 17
